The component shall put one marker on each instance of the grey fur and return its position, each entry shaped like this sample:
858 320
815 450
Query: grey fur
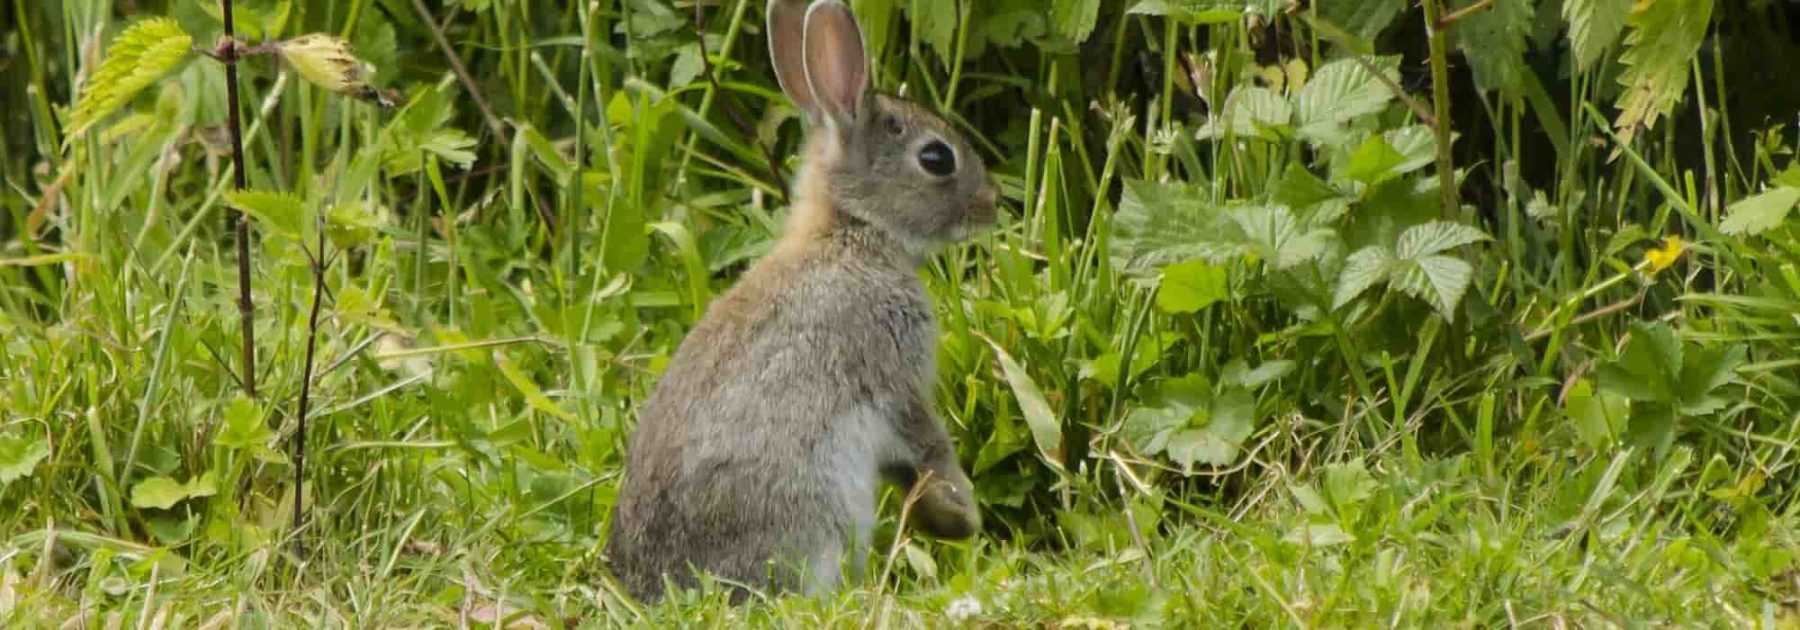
759 456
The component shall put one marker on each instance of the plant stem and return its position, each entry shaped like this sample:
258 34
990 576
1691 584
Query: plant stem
246 307
1440 98
306 379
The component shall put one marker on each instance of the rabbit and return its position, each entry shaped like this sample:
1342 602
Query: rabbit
758 457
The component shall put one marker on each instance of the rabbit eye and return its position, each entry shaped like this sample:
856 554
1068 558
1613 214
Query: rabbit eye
937 158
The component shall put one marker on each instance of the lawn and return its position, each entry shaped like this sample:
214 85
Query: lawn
1346 313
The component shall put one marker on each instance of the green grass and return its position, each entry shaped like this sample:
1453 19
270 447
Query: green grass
1285 383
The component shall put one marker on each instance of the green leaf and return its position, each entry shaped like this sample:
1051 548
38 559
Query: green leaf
1272 233
1160 223
1435 237
1593 27
20 456
1298 188
1438 280
1190 286
1374 161
1339 92
1363 269
137 58
1494 43
1250 111
1074 20
1045 430
1598 416
1196 12
244 426
1760 213
1706 370
1416 143
278 212
934 21
1647 371
1665 36
1236 374
1363 18
163 493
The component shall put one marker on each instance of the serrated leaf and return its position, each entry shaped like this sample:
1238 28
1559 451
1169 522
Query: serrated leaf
1338 92
1648 370
1416 143
1363 18
1158 224
1272 233
1435 237
1045 430
1761 212
20 456
1665 36
1593 27
1190 286
1074 20
1363 269
138 57
1250 111
1705 370
1438 280
282 213
1374 161
1494 43
1298 188
1195 12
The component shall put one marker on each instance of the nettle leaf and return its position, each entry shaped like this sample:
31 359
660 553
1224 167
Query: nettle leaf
1760 213
1272 233
20 456
163 493
1363 269
1435 237
1665 36
1438 280
1494 43
1190 286
1250 111
1161 223
1594 25
278 212
138 57
1338 92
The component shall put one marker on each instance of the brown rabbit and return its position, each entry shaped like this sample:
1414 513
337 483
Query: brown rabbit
759 456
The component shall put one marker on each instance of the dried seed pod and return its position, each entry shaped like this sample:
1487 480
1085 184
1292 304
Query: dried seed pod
328 62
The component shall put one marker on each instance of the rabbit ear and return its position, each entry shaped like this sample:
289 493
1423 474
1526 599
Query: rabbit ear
837 68
787 34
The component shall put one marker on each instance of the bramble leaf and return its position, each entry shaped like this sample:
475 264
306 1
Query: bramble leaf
138 57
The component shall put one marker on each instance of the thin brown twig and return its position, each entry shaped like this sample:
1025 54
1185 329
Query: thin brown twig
1454 16
228 53
462 73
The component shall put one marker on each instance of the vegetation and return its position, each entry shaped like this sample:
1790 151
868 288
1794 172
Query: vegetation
1347 313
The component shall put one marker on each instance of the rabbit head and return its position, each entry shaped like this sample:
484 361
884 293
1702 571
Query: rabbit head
871 158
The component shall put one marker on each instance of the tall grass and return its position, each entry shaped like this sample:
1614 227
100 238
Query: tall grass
1291 377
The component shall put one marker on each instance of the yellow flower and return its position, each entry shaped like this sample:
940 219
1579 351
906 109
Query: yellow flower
1661 257
328 62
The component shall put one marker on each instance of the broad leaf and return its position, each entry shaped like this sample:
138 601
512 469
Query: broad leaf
1158 224
163 493
278 212
1365 268
1759 213
1665 36
1374 161
1338 92
1438 280
1435 237
1249 111
1362 18
1206 11
1494 43
1074 20
20 456
1593 27
1598 416
1270 232
1649 368
137 58
1190 286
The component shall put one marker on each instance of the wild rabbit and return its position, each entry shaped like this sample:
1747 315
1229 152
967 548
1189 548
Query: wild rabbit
759 456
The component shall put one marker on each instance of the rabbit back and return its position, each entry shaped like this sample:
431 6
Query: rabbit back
759 455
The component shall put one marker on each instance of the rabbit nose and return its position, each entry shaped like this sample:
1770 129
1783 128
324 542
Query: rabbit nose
989 195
